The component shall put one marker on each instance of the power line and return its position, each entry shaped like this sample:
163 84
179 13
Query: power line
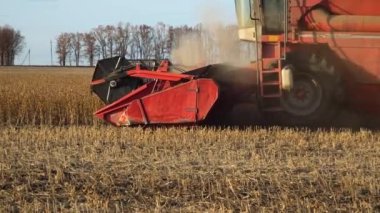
27 56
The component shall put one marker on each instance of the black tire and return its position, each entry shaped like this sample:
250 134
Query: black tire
318 101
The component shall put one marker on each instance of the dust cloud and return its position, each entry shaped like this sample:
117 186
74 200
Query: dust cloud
211 42
190 51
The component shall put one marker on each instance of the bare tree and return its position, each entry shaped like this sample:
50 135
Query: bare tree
100 35
76 46
90 47
144 38
210 44
134 44
11 44
161 41
111 37
63 48
123 38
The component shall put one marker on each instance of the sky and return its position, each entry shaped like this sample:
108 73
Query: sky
41 21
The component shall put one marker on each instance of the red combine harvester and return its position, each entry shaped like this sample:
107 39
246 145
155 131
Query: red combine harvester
313 58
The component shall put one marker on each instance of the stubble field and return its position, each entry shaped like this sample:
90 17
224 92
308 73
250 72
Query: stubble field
54 156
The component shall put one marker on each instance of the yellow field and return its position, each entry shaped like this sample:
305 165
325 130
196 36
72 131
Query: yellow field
49 96
72 163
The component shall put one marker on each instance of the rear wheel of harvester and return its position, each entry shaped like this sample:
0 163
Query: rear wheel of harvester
313 98
306 95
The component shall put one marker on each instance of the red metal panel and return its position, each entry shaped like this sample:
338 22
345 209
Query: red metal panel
123 102
360 52
340 39
320 19
353 7
296 13
298 8
158 75
188 102
304 3
343 7
362 63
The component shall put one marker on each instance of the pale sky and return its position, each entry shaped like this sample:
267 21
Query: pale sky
43 20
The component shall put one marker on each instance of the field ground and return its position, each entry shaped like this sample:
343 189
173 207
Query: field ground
55 157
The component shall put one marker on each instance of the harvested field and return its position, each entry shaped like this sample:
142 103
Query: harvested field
200 169
61 159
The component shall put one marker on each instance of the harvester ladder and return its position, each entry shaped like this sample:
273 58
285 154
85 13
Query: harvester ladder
270 76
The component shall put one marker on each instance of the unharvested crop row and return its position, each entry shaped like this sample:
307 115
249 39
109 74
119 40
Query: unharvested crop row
49 97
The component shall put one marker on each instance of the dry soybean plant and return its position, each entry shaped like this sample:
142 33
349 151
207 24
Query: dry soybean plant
46 96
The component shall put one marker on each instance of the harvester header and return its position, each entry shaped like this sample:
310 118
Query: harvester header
143 92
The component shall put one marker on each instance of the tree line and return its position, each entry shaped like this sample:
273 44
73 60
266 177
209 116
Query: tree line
11 44
134 42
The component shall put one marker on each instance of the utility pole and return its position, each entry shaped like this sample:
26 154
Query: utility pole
29 56
51 52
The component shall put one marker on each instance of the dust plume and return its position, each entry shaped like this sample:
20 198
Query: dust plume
190 50
213 41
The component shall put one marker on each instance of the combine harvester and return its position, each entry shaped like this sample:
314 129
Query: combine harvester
313 58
